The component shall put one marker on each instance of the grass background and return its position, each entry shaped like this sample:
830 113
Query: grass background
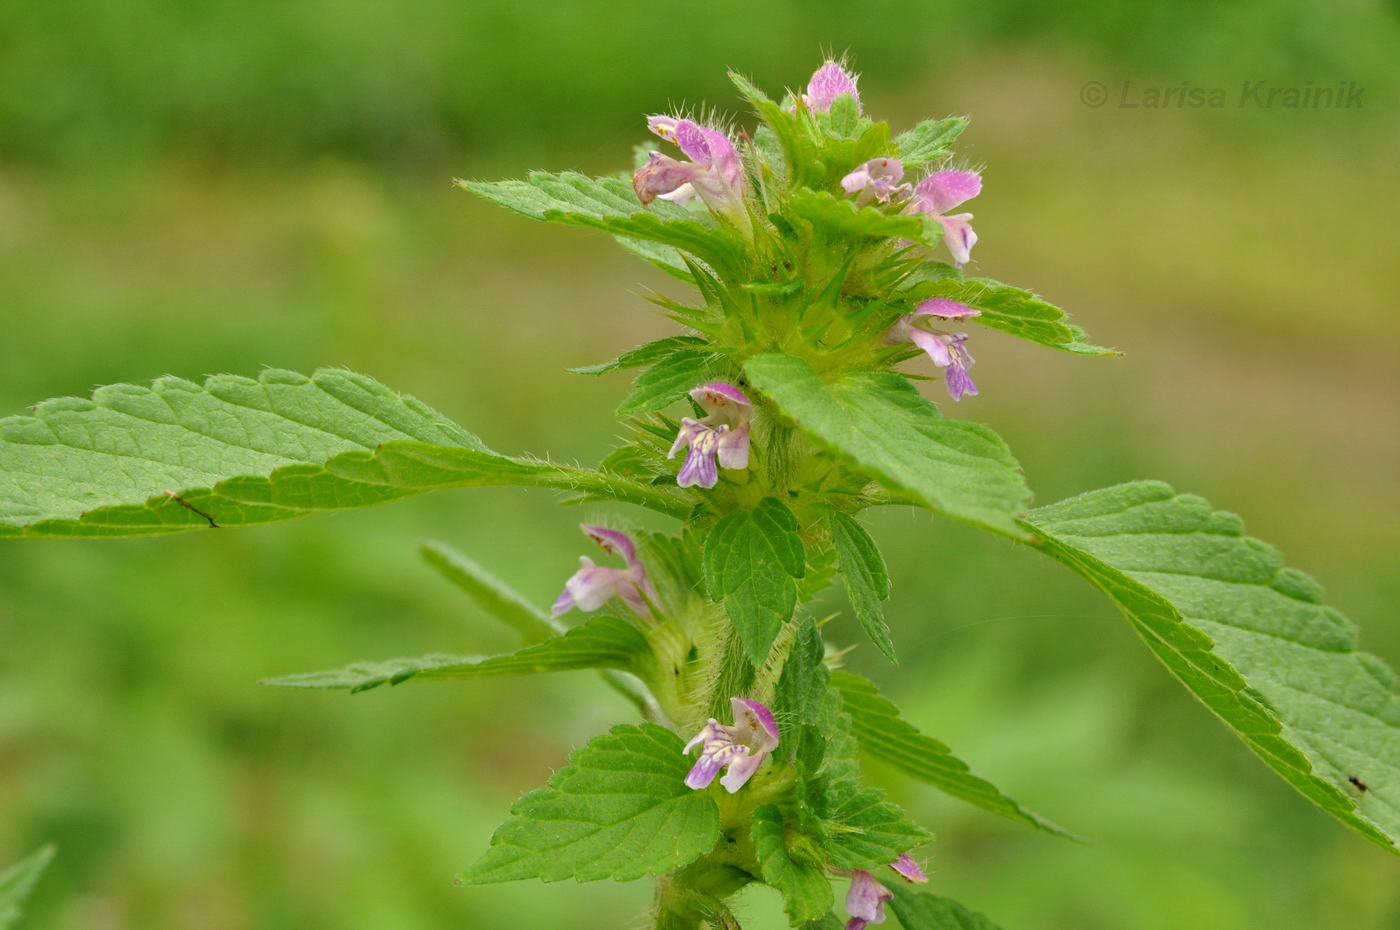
204 186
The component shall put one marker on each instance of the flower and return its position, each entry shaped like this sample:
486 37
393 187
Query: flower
829 82
865 902
593 585
875 180
722 435
909 869
742 747
940 192
945 349
714 171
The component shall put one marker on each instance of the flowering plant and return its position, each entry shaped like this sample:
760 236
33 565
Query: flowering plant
825 256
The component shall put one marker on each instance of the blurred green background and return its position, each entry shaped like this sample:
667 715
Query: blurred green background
199 186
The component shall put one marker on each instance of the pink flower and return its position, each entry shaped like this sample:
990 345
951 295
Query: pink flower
945 349
909 869
877 179
723 435
865 902
829 82
594 585
742 747
714 172
936 195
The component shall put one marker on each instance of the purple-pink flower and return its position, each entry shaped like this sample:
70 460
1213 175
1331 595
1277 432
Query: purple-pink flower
865 901
594 585
945 349
829 82
719 440
908 869
742 747
877 179
714 172
940 192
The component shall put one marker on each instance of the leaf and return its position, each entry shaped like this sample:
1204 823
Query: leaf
799 151
603 642
1015 311
929 141
237 451
1249 637
643 355
879 421
804 886
490 594
749 89
570 197
751 559
17 884
867 581
864 831
620 809
843 118
889 738
923 910
800 697
840 220
668 380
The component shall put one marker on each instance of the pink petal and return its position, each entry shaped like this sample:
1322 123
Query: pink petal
829 82
612 542
909 869
757 722
946 309
733 449
941 192
741 770
958 234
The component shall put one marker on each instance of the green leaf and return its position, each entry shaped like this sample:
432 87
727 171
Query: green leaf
572 198
643 355
490 594
923 910
1015 311
603 642
1248 636
840 220
827 922
889 738
800 696
17 884
804 886
867 581
751 559
749 89
668 380
237 451
864 831
930 140
879 421
799 151
620 809
843 118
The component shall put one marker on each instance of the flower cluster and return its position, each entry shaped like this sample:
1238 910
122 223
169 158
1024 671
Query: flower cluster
715 172
865 901
741 747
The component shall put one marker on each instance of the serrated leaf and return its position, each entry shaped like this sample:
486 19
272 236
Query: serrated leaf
836 219
929 141
569 196
643 355
799 151
864 831
1249 637
884 734
879 421
668 380
867 580
843 118
235 451
620 809
17 884
805 888
800 696
490 594
604 642
924 910
751 560
1015 311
